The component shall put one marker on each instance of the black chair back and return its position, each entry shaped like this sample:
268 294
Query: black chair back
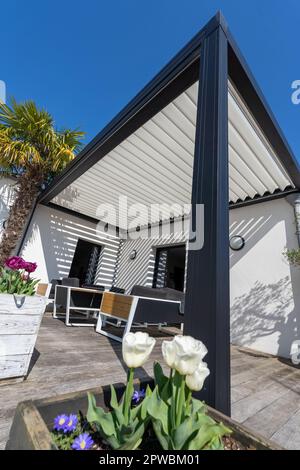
70 281
117 290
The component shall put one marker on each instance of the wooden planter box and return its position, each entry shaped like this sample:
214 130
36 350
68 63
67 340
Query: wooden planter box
34 419
20 318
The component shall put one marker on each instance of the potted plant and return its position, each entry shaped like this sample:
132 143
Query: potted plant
21 312
151 415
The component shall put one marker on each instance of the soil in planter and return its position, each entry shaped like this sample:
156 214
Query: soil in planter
230 443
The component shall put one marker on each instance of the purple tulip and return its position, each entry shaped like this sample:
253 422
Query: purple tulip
30 267
15 263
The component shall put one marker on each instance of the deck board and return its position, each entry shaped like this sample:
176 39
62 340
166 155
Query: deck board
265 391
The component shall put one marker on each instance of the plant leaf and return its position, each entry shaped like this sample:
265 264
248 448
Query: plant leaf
113 398
97 415
159 376
185 431
207 433
163 438
158 409
133 440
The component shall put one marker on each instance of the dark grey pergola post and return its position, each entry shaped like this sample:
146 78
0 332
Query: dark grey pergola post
207 310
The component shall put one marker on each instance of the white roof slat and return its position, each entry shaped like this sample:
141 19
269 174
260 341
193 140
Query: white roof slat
155 163
168 138
147 155
247 127
243 149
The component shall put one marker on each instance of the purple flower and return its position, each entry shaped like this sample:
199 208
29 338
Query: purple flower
138 395
83 442
60 422
15 263
30 267
71 423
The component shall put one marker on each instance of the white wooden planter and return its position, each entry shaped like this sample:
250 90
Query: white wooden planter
20 318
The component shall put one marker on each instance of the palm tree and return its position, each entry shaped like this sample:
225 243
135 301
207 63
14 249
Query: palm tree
33 151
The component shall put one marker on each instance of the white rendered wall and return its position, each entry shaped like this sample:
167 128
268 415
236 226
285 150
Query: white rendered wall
52 239
6 198
265 289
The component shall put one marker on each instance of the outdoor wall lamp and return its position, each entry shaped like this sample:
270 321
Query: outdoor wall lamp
133 254
236 242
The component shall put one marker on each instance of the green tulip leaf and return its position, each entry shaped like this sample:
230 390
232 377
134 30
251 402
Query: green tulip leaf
113 398
163 438
215 444
159 376
204 419
133 439
206 434
185 431
97 415
158 409
131 446
198 405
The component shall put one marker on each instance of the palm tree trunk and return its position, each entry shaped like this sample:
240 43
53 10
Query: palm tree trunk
25 197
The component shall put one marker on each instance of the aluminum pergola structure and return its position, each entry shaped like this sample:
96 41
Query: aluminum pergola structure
212 58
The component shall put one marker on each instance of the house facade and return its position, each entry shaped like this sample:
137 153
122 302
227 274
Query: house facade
200 139
264 287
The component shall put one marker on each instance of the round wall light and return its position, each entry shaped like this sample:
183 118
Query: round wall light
133 254
236 242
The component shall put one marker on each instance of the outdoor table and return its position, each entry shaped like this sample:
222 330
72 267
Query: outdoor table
77 299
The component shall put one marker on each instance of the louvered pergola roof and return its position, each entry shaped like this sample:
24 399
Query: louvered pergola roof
154 165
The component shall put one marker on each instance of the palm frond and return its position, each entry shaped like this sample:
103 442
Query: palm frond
17 152
72 139
28 139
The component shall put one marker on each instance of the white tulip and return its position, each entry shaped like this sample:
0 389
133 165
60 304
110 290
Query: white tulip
184 354
169 353
136 348
195 381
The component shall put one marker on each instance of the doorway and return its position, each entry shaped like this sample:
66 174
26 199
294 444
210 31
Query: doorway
85 262
170 267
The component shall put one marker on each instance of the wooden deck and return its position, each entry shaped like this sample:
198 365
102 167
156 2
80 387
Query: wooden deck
265 391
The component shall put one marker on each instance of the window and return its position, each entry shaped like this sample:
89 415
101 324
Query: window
170 267
85 261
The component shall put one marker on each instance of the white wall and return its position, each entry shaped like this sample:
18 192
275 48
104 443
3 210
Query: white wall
6 198
265 289
140 270
52 239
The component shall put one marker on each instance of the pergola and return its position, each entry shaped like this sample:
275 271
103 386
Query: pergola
199 132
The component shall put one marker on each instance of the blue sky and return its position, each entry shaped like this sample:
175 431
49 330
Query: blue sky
84 60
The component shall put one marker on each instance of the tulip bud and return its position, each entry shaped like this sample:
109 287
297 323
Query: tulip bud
195 381
136 348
